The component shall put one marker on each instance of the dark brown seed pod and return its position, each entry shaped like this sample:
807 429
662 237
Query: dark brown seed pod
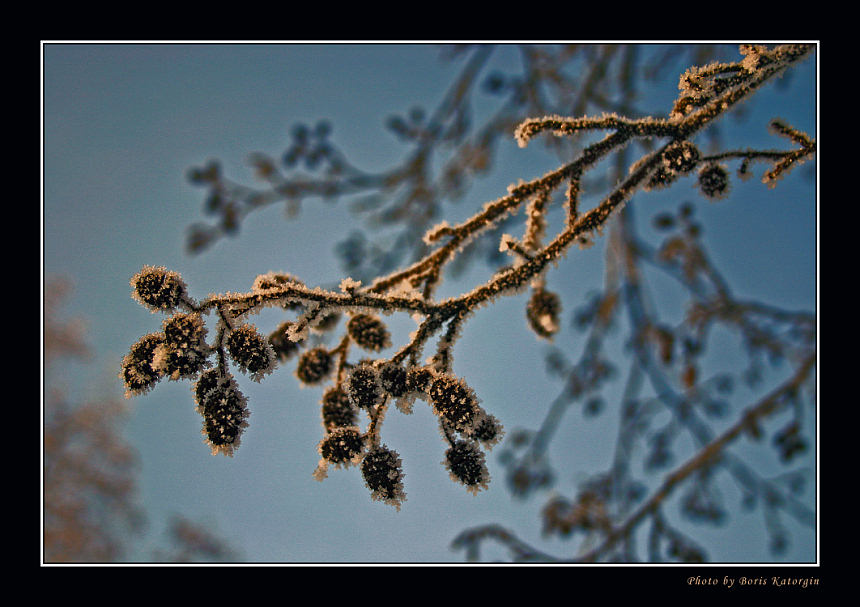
392 379
681 157
283 347
369 332
337 410
158 289
342 446
363 386
138 372
184 352
251 351
543 312
714 181
455 402
382 472
224 410
418 379
466 464
314 366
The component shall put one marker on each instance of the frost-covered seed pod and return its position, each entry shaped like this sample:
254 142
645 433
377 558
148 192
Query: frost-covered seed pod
283 347
714 181
543 312
208 381
455 402
363 387
681 157
488 431
138 372
392 378
177 363
314 365
185 331
369 332
224 410
158 289
337 410
382 472
276 280
251 351
342 446
418 379
466 464
184 352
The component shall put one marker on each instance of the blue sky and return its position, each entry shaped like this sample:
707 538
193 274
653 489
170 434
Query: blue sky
124 122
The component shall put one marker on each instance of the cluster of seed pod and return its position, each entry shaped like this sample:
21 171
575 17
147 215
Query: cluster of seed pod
180 351
362 389
368 387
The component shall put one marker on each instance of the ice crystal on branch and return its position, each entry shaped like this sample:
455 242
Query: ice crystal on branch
274 280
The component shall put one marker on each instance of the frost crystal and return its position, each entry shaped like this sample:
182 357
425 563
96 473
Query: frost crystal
348 285
274 280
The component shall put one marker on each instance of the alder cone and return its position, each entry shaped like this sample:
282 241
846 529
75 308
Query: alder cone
369 332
